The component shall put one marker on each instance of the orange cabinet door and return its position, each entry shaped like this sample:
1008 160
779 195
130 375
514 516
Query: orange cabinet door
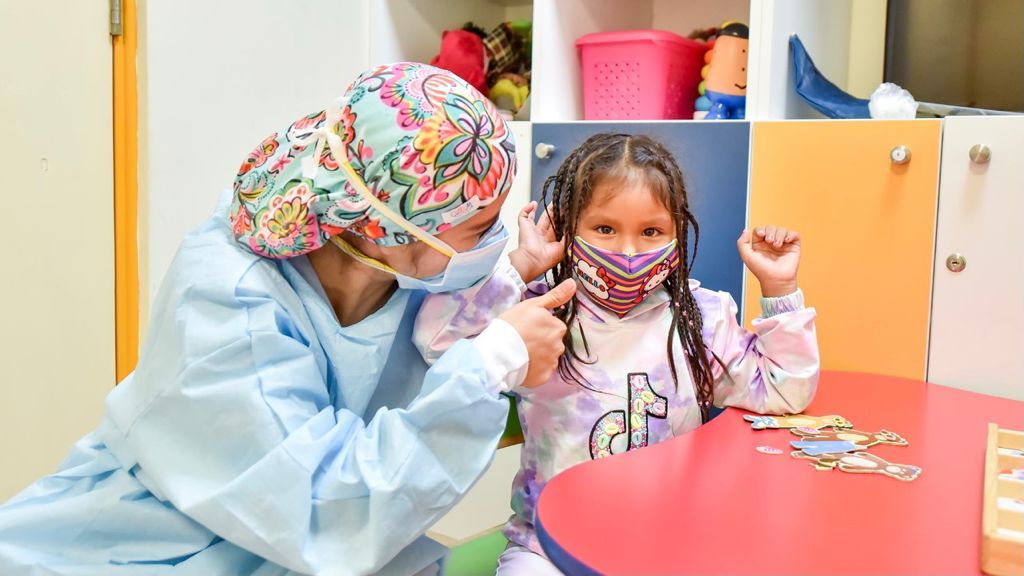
868 229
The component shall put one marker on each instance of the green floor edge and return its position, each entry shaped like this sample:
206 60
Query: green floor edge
477 557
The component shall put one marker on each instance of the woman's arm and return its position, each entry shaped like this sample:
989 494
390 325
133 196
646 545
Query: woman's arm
244 437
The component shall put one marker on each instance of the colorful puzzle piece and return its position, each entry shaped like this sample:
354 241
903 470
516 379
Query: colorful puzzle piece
839 441
862 463
813 448
797 421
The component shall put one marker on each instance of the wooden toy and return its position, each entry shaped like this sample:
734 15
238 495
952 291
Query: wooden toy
840 441
1002 517
797 421
862 463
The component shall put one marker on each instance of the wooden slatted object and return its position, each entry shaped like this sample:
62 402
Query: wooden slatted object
1002 538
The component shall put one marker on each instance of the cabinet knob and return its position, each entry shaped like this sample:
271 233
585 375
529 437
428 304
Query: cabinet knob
900 154
980 154
956 262
543 150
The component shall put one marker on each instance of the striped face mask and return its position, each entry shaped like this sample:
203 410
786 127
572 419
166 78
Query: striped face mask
619 281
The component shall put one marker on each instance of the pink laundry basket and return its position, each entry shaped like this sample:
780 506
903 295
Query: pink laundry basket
639 75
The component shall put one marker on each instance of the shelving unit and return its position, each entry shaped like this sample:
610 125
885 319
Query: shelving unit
411 30
558 23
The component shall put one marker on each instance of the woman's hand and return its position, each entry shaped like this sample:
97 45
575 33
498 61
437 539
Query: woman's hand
772 254
541 332
538 250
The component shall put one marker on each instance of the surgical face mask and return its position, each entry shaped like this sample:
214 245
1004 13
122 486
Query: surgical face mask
464 269
619 281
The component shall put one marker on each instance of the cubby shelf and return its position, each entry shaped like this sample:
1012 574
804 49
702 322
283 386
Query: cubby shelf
411 30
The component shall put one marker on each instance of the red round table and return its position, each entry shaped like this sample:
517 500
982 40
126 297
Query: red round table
708 502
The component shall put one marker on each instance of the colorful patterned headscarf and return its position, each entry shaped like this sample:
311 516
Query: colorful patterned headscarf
429 148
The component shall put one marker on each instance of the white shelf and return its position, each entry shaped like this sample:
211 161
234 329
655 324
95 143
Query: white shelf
824 27
411 29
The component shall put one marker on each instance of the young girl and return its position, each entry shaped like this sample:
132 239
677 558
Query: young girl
648 350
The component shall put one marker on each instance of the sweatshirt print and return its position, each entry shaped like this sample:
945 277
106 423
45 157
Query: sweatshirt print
629 399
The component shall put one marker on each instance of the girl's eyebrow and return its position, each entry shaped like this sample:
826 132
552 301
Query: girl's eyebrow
659 222
612 218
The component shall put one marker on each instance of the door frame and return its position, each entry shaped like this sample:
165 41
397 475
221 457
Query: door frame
126 190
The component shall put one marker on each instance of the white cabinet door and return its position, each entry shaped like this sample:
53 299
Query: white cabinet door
57 288
977 332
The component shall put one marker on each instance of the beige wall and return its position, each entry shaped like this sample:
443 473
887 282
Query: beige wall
57 293
867 46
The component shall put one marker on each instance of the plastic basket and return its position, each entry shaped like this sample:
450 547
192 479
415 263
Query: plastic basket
639 75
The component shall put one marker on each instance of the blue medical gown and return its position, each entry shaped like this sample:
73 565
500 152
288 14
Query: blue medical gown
258 436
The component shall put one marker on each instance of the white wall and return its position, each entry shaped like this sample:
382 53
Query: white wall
215 78
557 25
823 27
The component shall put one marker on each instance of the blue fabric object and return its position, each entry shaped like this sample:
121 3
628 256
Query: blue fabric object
816 90
258 436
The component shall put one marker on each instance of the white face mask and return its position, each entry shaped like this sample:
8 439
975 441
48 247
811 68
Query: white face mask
464 269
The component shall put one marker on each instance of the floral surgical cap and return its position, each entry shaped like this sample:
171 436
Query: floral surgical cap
429 147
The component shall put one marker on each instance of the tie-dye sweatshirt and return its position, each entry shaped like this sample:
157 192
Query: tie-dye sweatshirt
629 399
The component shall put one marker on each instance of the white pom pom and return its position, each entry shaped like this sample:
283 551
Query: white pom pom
891 102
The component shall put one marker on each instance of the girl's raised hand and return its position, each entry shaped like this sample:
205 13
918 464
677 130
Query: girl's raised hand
538 250
772 254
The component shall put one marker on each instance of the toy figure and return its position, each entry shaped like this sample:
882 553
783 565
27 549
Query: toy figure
726 82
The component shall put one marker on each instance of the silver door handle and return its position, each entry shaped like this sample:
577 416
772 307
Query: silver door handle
544 151
980 154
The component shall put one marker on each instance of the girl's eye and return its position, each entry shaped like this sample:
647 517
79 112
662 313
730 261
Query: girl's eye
650 232
605 230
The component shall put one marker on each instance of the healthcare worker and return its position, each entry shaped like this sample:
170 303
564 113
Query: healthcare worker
280 420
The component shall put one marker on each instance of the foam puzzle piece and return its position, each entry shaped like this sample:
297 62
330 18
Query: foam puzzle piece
862 463
840 441
797 421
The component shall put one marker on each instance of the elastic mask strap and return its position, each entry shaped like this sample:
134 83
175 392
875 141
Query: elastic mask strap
310 164
355 253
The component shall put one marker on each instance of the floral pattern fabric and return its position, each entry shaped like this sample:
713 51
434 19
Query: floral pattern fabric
426 144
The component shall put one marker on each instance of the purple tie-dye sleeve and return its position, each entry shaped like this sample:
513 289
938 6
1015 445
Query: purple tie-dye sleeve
772 370
444 319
